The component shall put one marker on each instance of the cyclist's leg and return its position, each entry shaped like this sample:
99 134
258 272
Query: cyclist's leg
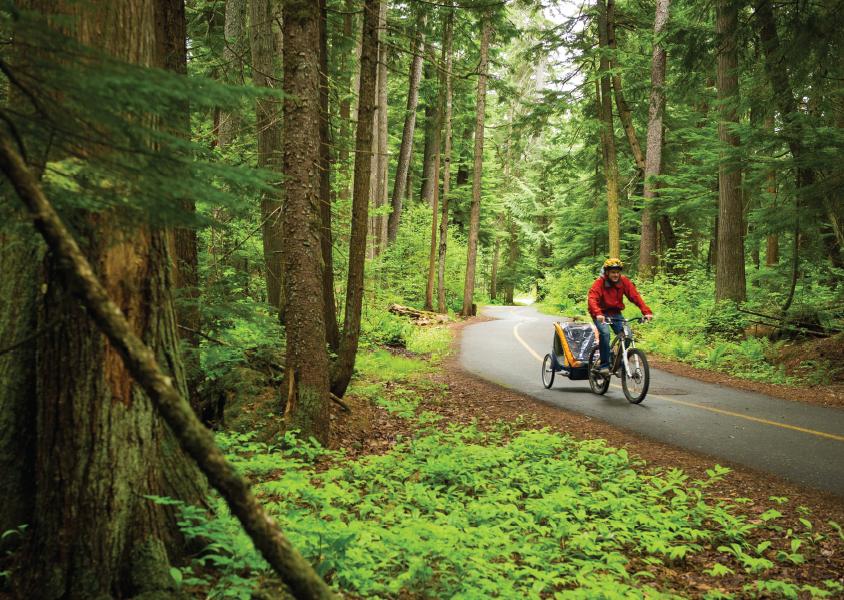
603 343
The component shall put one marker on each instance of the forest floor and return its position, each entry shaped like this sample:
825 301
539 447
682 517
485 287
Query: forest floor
370 429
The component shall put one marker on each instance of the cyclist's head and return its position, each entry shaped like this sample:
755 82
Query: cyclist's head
612 264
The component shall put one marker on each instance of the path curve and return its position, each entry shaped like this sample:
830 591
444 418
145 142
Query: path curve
800 442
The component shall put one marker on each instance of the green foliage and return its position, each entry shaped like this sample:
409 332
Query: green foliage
462 513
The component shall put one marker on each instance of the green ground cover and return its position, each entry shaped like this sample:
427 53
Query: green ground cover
453 511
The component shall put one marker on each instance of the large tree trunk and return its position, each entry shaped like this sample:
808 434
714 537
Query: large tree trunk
268 131
445 86
229 123
306 380
729 275
653 162
332 331
608 138
344 367
89 443
400 185
475 214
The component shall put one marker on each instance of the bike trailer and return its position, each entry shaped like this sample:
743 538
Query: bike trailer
573 344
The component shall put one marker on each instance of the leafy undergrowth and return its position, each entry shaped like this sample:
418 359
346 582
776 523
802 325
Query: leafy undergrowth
458 511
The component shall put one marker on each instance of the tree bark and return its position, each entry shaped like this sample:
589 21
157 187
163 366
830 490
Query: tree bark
229 123
306 381
344 367
653 163
432 141
729 275
172 55
608 138
772 242
475 214
448 36
403 166
268 132
139 359
431 186
85 421
332 331
381 157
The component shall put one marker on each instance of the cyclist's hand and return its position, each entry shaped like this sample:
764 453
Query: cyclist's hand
600 318
648 317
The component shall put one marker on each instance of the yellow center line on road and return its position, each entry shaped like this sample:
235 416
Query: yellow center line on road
729 413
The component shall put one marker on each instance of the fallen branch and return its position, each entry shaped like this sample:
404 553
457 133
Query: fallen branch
421 317
195 439
336 399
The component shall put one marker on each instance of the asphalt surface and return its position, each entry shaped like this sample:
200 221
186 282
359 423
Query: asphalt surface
797 441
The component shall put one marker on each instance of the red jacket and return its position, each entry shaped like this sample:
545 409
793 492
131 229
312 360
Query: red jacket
606 298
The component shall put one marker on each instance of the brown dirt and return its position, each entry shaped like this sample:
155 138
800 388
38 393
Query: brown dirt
468 399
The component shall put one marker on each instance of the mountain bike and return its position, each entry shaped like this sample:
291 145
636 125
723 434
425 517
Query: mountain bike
626 361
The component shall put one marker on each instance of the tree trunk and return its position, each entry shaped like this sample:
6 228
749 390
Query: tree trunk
229 124
306 379
381 157
608 138
729 274
332 331
344 367
85 420
793 129
624 112
431 187
268 132
403 166
475 214
345 104
653 163
172 55
445 86
432 141
772 242
493 277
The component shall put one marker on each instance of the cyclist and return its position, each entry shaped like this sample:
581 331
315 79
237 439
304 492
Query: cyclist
606 301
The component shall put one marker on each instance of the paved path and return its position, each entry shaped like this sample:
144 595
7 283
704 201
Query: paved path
800 442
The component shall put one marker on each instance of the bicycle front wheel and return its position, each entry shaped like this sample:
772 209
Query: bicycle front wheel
636 384
547 372
599 383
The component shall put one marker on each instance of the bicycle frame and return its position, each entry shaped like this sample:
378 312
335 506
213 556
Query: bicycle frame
625 342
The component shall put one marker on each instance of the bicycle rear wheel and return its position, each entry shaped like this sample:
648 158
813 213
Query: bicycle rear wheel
635 385
548 372
599 383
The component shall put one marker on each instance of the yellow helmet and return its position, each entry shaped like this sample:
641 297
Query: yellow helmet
613 263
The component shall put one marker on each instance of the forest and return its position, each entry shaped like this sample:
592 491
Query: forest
240 241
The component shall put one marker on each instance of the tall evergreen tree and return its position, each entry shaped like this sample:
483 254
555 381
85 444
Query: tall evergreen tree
306 379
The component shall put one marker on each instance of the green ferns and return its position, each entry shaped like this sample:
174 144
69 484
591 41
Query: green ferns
470 514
